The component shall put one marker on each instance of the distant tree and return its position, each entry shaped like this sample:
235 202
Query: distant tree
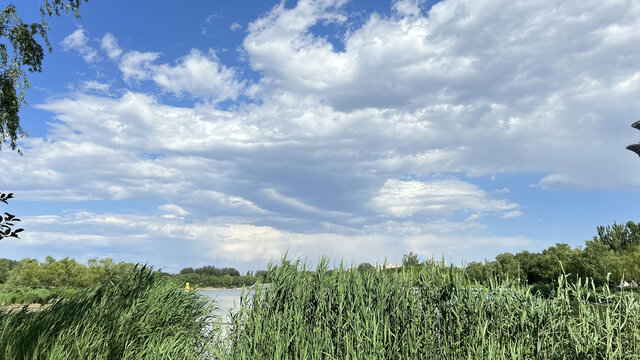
597 260
5 266
476 271
230 271
365 267
618 237
7 220
530 266
508 266
410 259
187 270
261 274
558 260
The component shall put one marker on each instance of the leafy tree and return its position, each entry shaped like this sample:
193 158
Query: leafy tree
187 270
619 237
508 266
476 271
597 260
365 267
67 272
631 264
7 220
261 274
557 260
5 266
410 259
21 52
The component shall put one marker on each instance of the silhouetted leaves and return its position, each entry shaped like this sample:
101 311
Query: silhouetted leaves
7 220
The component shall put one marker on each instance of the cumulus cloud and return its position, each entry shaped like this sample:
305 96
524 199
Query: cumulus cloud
493 86
136 65
471 88
78 42
437 197
110 45
198 74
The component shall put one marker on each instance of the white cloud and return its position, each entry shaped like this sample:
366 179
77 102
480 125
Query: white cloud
407 8
235 27
198 74
511 214
236 242
439 198
110 46
96 86
78 41
173 209
290 201
492 86
472 88
136 65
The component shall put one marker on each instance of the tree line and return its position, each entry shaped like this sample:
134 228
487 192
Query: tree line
66 272
609 258
212 276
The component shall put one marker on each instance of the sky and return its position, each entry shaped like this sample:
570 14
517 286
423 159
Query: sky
229 133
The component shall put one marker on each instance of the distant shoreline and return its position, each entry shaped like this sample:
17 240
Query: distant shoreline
220 288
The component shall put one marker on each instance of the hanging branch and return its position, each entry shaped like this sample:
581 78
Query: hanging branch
635 147
7 220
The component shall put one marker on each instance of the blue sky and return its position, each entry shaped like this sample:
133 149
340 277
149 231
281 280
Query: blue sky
227 133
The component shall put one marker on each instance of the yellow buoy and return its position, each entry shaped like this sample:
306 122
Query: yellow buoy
187 287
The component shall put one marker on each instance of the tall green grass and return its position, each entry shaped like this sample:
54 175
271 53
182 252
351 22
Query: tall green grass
26 295
431 313
140 318
426 312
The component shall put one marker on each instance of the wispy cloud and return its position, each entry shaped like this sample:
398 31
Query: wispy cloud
79 42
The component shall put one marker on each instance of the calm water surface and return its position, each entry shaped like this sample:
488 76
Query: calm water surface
227 300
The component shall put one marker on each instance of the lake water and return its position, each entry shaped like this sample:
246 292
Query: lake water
226 300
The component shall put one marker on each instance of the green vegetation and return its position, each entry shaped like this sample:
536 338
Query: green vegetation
62 273
30 281
419 311
416 312
429 312
142 317
609 258
26 295
215 277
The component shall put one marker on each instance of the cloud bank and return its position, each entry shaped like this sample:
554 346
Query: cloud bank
313 155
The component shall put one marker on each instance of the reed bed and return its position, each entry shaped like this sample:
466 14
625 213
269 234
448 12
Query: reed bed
426 312
140 318
431 312
10 295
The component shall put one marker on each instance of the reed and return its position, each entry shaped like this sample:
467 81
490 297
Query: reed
140 318
432 312
426 312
